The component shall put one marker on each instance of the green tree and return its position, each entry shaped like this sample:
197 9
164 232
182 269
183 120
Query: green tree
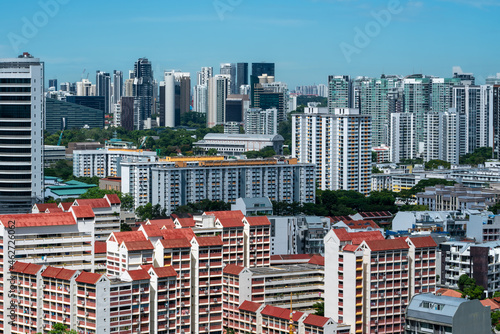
320 308
420 186
375 170
416 207
495 318
433 164
479 156
150 211
469 288
212 151
61 329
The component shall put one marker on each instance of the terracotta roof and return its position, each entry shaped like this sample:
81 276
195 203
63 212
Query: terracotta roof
249 306
167 223
388 244
357 237
113 198
449 293
89 278
52 210
39 219
209 241
66 205
138 245
361 224
350 248
93 202
186 222
258 221
376 214
151 231
233 269
83 211
127 236
178 233
226 214
316 320
336 219
181 215
317 259
282 313
423 242
138 275
231 222
25 268
165 271
100 247
491 303
175 243
59 273
44 206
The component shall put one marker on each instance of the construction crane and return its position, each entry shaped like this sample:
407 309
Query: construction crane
143 141
62 130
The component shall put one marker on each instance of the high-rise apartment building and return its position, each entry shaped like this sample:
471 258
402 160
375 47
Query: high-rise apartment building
85 88
22 117
339 143
261 122
143 92
402 139
117 86
340 92
103 88
218 90
204 75
230 69
200 99
495 121
442 93
417 101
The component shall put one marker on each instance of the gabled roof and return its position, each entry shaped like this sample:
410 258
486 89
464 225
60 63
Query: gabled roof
100 247
336 219
52 210
361 224
44 206
315 320
151 231
231 222
233 269
58 273
65 205
93 202
423 242
39 219
128 236
258 221
186 222
164 271
88 278
387 244
138 245
178 233
376 214
317 259
350 248
138 275
491 303
206 241
175 243
282 313
25 268
357 237
449 293
83 211
167 223
113 198
226 214
249 306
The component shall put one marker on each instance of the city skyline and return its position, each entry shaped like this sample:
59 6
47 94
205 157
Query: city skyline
316 38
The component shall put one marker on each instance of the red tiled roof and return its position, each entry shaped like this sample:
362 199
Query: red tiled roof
209 241
376 214
25 268
233 269
258 221
387 244
113 198
350 248
357 237
491 303
138 245
315 320
282 313
168 223
231 222
179 233
317 259
139 274
83 211
66 205
93 202
52 210
128 236
175 243
423 242
89 278
249 306
336 219
39 219
226 214
165 271
59 273
295 256
449 293
186 222
100 247
361 224
151 231
44 206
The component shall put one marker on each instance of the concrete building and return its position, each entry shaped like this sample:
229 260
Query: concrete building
218 90
402 141
236 144
61 115
261 122
457 197
253 206
52 154
22 124
338 143
442 314
340 92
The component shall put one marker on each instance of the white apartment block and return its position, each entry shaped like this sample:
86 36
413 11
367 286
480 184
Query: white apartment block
172 184
261 122
106 211
218 90
402 137
338 143
106 162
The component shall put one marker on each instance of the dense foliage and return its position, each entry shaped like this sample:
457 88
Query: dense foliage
469 288
434 164
479 156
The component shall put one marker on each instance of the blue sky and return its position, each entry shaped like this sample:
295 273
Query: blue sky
307 39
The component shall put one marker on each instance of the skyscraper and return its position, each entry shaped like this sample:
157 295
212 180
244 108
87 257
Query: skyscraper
103 88
117 86
143 92
417 97
204 75
340 92
167 100
241 75
495 124
200 99
22 109
402 139
259 69
218 90
230 69
53 83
